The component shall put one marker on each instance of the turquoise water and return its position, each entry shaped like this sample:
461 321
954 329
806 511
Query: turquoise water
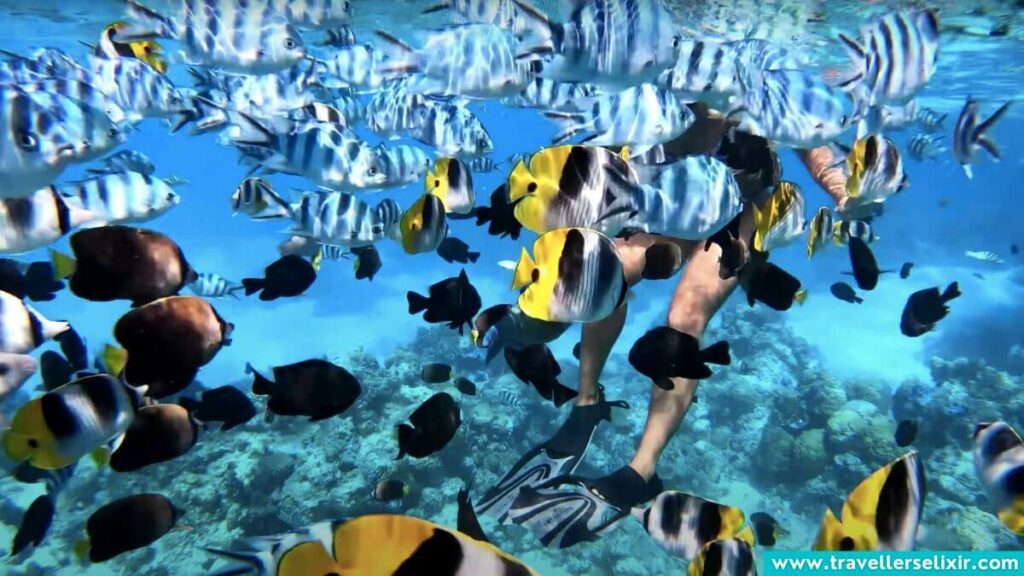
266 478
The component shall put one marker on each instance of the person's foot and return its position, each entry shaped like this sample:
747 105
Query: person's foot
625 488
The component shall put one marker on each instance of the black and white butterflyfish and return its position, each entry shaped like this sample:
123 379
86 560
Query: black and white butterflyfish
970 134
999 463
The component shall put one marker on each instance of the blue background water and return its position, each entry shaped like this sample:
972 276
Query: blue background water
339 314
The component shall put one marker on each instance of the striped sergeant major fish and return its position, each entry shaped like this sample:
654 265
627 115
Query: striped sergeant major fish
395 109
984 256
790 107
351 108
125 161
641 118
999 462
483 165
38 220
402 164
81 92
210 285
452 130
930 120
255 198
322 14
613 42
472 60
927 146
147 51
35 146
895 57
549 94
124 198
137 88
244 37
357 66
263 94
706 68
339 37
341 219
22 328
969 135
329 155
503 13
691 198
92 127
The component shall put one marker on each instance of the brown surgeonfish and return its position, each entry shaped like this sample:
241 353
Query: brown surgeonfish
315 388
169 340
123 263
434 425
158 433
125 525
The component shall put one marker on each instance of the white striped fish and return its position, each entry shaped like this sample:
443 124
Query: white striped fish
931 120
90 126
503 13
612 42
706 69
125 198
341 219
351 108
970 134
791 107
357 66
125 161
15 370
326 154
138 89
22 328
236 36
312 13
339 37
984 256
210 285
473 60
38 220
843 230
927 146
483 165
895 57
640 117
394 109
691 198
262 95
255 198
403 164
549 94
84 93
452 130
34 145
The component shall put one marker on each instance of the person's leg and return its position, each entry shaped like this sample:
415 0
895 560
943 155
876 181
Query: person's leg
599 337
698 296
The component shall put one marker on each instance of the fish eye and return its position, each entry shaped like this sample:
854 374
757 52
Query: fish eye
33 443
843 120
113 132
4 369
532 187
27 141
372 171
675 42
289 43
437 183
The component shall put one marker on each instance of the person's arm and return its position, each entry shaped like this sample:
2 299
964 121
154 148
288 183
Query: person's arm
819 162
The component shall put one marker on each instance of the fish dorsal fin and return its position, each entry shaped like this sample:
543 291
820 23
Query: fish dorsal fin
524 272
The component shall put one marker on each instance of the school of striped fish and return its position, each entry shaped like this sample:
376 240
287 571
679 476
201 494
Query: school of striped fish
299 92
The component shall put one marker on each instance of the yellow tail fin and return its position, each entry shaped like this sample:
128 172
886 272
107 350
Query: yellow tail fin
63 265
801 296
624 153
82 550
523 275
318 258
115 359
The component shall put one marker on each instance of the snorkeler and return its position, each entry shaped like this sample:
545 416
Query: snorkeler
541 490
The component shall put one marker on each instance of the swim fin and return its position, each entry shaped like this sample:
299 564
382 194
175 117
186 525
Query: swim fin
558 456
567 510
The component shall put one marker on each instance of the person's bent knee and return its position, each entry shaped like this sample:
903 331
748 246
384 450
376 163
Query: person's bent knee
688 317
